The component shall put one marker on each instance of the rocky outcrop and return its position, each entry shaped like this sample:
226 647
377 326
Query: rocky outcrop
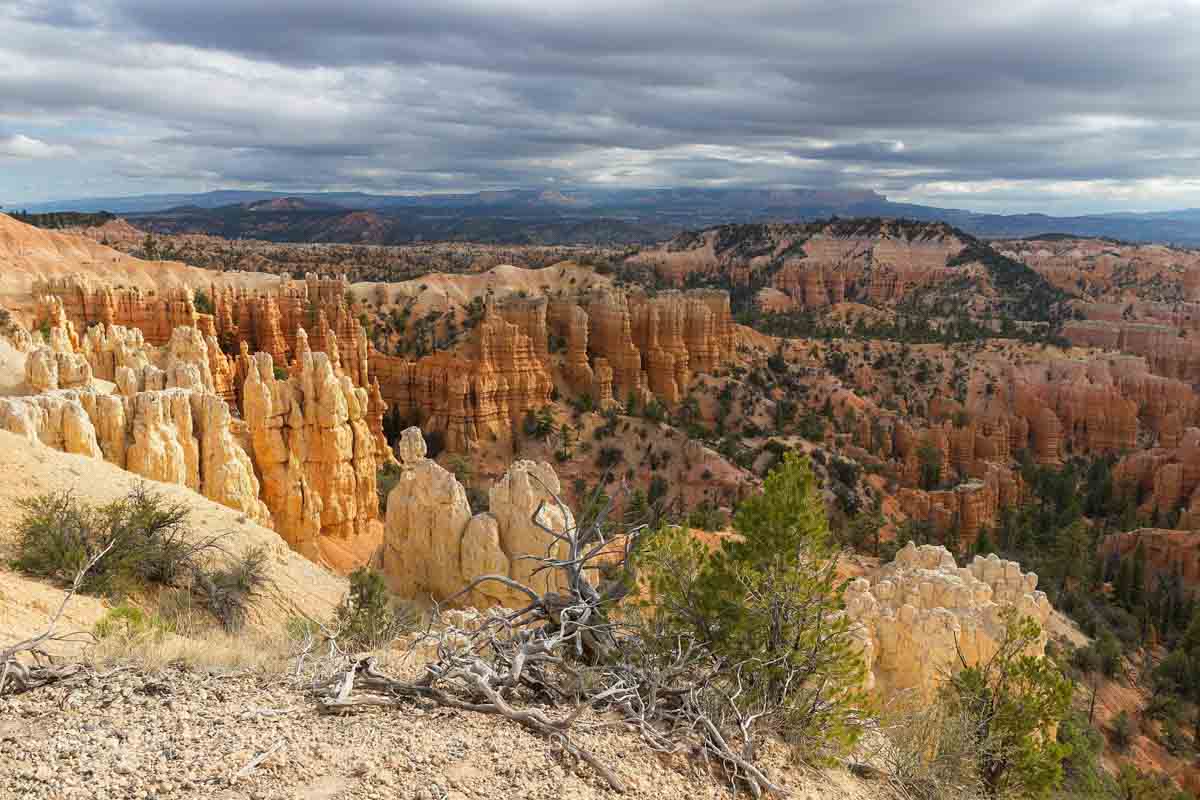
569 323
1167 353
968 508
653 344
880 270
529 314
611 338
47 370
919 613
181 436
155 314
376 409
316 455
56 420
1168 478
474 398
433 547
1169 554
270 321
818 264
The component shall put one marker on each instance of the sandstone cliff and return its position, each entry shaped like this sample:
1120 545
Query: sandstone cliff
316 456
921 611
433 546
475 398
180 436
1169 554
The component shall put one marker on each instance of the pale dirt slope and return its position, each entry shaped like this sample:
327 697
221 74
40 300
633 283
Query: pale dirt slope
298 586
28 254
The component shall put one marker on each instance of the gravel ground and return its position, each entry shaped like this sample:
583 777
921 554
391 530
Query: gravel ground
190 733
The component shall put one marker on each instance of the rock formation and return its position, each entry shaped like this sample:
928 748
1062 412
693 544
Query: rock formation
653 344
85 304
47 370
181 436
473 398
1168 478
921 611
815 265
1168 354
316 456
433 547
1169 554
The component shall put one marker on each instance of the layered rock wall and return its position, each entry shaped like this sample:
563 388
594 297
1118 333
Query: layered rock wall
316 456
181 436
433 546
471 399
922 612
1169 554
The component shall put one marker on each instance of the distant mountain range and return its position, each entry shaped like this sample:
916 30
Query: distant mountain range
617 216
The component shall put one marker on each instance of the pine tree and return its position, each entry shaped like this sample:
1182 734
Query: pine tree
1137 590
768 606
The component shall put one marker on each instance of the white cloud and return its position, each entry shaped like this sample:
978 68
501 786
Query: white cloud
21 146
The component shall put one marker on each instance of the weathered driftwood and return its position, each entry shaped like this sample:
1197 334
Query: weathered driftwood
565 648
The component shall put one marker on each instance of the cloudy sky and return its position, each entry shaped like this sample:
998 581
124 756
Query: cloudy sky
1057 106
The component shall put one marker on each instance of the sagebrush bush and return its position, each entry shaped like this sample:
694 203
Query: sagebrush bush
58 534
369 616
149 544
228 591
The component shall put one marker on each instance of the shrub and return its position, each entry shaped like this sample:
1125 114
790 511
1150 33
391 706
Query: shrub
130 623
202 302
1123 731
1083 774
369 616
707 517
58 534
386 478
609 457
228 591
148 542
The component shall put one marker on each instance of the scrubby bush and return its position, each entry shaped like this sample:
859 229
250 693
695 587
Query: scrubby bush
386 478
146 542
228 591
1123 731
369 616
1017 701
131 624
202 302
707 517
58 534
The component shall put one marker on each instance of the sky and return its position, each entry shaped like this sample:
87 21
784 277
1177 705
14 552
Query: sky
1060 107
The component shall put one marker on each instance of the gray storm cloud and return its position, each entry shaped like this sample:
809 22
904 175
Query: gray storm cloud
1024 105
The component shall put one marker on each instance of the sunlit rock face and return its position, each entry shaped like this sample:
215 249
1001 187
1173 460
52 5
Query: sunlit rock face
921 617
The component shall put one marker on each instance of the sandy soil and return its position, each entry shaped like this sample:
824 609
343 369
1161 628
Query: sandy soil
297 586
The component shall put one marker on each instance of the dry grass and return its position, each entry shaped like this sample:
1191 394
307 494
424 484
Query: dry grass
211 649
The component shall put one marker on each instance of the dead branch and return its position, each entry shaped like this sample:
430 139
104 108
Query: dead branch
569 648
16 677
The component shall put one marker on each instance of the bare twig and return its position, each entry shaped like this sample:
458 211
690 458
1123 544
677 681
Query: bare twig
23 677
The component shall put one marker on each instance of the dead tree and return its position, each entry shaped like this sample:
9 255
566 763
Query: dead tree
569 649
17 677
